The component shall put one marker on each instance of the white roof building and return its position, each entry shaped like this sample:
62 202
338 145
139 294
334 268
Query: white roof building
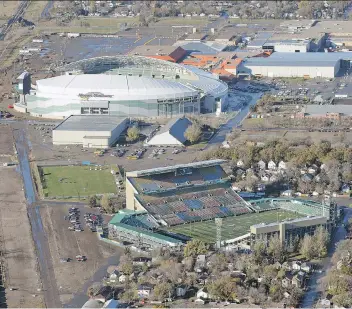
172 133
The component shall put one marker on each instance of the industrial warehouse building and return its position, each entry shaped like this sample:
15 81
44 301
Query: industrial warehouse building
89 131
171 134
307 65
125 86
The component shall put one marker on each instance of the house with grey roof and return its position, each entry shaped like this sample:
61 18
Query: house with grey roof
173 133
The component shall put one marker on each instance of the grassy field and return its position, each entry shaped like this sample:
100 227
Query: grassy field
232 227
70 181
8 8
34 10
183 21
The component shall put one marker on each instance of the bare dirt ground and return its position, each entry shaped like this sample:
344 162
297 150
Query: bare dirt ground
7 8
6 143
264 136
17 243
64 243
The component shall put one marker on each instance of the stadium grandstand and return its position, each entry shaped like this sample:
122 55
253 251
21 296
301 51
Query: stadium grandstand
184 193
131 86
181 202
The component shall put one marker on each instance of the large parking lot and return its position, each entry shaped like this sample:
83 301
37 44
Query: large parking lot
44 153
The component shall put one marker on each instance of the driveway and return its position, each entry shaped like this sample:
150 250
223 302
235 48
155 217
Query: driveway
234 122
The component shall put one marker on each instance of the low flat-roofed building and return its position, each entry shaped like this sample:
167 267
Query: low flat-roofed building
288 46
326 111
168 53
203 48
90 131
196 36
171 134
307 65
227 37
288 230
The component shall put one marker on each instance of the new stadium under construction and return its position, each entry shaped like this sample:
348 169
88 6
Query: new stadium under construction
128 86
168 206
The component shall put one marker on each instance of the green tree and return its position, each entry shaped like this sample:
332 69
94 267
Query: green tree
193 133
163 290
307 248
259 251
129 295
219 263
321 240
337 283
276 249
132 134
93 201
223 289
194 248
106 204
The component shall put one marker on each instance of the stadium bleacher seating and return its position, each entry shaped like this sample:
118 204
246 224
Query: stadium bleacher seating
196 206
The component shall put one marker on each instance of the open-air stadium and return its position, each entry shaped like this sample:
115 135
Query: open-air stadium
129 86
182 201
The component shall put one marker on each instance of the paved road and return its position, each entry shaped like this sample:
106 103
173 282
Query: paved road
234 122
50 291
19 13
310 298
45 13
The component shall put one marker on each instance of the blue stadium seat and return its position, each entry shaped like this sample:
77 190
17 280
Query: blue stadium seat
194 204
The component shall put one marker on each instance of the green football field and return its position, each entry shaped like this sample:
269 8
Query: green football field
76 181
232 227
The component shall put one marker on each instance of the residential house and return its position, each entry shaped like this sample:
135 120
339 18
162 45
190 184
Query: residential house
261 187
273 178
141 260
287 280
200 263
240 163
265 177
114 276
272 165
298 280
144 290
288 193
287 295
296 265
317 178
181 290
313 170
236 188
315 193
203 279
327 300
306 267
346 188
286 266
261 165
123 277
203 294
282 165
307 177
199 301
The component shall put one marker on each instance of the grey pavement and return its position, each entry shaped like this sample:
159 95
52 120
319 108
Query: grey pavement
310 298
234 122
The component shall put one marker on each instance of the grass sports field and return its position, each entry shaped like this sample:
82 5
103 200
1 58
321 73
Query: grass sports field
232 227
76 181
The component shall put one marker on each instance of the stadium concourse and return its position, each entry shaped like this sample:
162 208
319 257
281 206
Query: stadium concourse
128 86
163 203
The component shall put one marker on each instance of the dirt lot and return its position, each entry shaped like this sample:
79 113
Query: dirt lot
6 143
262 136
17 243
64 243
7 8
